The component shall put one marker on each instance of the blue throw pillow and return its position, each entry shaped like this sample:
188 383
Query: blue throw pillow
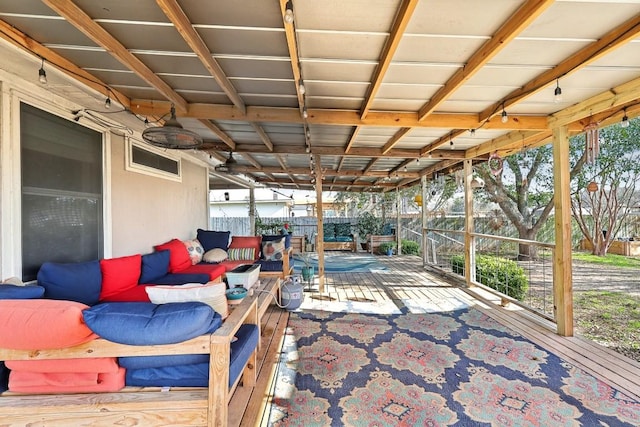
77 281
20 292
143 323
213 239
154 266
4 378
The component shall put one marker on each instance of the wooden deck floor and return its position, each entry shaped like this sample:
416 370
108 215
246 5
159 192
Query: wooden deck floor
406 280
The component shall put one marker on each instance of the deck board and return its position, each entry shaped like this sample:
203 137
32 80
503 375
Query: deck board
406 279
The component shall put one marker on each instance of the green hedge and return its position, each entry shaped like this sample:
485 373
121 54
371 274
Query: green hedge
409 247
384 247
501 274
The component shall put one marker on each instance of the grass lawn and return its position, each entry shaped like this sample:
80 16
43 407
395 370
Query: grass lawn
609 260
611 319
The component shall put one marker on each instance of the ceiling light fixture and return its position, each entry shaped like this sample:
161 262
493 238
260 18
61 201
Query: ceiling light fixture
625 120
228 166
172 135
288 12
42 74
558 92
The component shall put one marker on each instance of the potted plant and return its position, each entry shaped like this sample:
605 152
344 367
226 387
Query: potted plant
307 268
368 224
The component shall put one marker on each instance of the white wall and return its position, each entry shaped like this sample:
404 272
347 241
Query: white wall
140 210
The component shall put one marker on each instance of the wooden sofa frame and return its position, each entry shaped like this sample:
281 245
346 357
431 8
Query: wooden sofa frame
287 267
340 246
144 405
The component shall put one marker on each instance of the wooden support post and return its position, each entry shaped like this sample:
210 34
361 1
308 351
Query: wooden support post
398 223
319 239
562 277
252 210
423 208
469 226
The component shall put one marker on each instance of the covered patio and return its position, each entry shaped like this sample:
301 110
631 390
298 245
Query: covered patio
360 96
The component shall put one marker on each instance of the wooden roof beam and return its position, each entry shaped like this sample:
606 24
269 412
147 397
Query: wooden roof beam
220 133
405 12
395 139
181 22
292 45
519 21
441 141
263 136
609 42
83 22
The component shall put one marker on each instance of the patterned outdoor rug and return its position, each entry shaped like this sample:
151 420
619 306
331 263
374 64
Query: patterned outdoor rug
337 263
459 368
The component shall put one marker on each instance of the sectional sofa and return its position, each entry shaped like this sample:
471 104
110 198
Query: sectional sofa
90 328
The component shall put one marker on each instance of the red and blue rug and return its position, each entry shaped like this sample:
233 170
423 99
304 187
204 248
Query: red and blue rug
460 368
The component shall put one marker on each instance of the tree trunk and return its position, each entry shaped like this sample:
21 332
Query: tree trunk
527 252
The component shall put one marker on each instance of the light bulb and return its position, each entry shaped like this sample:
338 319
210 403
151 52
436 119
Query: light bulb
288 13
472 132
625 121
405 168
557 94
504 117
107 103
42 74
418 160
301 88
305 113
308 149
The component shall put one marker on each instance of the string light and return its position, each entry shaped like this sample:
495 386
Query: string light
288 13
305 113
558 92
625 120
472 132
301 88
107 103
42 74
504 117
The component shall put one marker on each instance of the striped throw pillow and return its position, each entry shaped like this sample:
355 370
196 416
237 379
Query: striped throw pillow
241 254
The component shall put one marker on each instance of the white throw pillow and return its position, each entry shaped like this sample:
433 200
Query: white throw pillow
215 255
211 293
195 250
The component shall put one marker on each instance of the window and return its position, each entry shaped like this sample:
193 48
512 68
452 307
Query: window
61 165
144 159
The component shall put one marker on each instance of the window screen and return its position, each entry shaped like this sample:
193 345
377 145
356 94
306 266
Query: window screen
61 170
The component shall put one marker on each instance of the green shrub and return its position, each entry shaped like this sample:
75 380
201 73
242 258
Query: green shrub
501 274
384 247
409 247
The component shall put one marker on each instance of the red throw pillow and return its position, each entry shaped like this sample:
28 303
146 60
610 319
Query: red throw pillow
238 242
179 258
120 274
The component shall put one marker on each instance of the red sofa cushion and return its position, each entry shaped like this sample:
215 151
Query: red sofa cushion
39 382
119 274
179 258
135 294
213 270
95 364
247 242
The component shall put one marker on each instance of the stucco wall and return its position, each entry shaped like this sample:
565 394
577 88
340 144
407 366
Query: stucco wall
147 210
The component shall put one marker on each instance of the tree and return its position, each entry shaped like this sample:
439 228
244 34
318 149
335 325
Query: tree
604 191
524 191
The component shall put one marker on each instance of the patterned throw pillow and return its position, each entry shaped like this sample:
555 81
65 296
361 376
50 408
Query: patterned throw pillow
241 254
273 250
195 249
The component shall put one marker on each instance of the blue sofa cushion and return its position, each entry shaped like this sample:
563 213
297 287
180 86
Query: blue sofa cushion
241 349
213 239
195 375
20 292
269 265
77 281
141 323
4 378
154 266
145 362
344 239
180 279
328 230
